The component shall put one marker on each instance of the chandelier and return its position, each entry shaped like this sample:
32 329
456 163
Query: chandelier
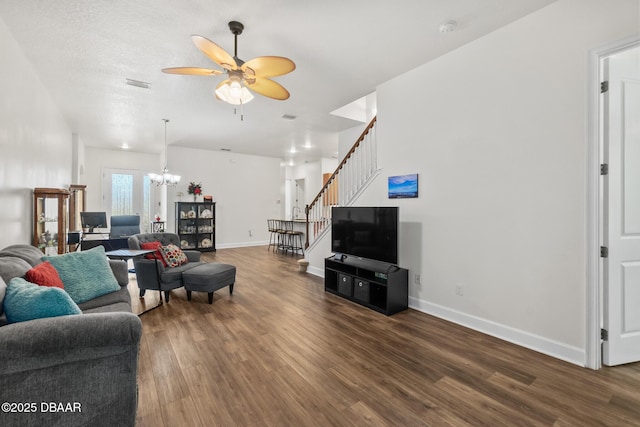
165 178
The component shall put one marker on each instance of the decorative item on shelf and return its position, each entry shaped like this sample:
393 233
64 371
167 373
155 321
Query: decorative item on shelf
208 199
195 190
157 217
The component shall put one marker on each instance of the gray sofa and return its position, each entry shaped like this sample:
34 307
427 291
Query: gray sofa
70 370
148 271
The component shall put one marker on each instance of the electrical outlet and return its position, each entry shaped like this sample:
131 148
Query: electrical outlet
417 279
250 232
459 290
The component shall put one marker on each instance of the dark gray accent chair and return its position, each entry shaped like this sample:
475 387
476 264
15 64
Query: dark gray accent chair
124 225
148 271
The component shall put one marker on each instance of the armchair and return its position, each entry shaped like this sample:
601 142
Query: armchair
151 274
124 225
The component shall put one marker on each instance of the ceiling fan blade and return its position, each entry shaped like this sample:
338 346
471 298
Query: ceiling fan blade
192 71
215 52
269 66
268 88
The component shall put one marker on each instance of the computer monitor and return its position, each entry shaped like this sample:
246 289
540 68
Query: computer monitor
93 220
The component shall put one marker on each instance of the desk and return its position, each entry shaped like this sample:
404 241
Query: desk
92 240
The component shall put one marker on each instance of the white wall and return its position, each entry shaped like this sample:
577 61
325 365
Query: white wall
247 191
98 159
347 138
246 188
35 142
311 173
496 131
500 138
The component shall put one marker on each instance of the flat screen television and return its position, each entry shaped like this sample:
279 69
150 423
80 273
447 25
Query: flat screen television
93 220
365 232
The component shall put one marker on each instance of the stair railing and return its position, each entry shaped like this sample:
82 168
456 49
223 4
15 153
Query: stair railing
353 171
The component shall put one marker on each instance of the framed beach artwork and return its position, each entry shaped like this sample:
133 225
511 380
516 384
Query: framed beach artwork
403 186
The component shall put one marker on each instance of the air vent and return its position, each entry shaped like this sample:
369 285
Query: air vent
138 83
289 117
225 149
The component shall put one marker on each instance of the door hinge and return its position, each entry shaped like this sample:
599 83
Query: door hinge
604 335
604 251
604 169
604 86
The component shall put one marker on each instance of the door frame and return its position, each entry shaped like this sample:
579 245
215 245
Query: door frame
594 218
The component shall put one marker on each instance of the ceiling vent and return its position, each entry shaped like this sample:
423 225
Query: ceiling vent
138 83
289 117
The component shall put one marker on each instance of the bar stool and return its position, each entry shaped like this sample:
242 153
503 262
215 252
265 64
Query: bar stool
274 237
294 239
283 236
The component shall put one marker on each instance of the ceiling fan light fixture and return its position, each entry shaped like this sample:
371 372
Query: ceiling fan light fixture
255 73
233 93
235 90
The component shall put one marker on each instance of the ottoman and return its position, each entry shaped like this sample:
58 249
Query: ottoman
209 278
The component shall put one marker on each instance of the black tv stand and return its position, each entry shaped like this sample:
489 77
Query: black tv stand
377 285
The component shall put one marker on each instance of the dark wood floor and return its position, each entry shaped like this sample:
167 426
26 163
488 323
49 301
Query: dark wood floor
282 352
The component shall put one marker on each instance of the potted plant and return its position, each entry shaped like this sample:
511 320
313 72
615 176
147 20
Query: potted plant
195 189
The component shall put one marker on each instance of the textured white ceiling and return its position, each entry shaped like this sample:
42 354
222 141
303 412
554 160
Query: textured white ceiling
84 50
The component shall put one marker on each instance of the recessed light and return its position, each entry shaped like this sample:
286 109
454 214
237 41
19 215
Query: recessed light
124 146
138 83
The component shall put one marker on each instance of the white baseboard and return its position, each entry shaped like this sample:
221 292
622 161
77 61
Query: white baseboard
537 343
241 244
316 271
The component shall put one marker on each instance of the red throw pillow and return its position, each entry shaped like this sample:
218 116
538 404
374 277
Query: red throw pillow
157 254
44 274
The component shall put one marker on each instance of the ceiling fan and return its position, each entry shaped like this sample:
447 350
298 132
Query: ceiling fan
254 74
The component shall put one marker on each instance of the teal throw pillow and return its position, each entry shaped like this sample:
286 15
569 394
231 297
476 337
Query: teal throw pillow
86 274
27 301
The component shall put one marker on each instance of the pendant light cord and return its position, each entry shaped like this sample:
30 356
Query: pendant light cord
166 147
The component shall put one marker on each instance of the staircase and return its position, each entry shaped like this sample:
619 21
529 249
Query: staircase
351 176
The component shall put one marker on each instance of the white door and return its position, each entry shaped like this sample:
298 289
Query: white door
128 192
621 207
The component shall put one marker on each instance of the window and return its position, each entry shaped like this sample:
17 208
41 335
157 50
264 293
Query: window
129 192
